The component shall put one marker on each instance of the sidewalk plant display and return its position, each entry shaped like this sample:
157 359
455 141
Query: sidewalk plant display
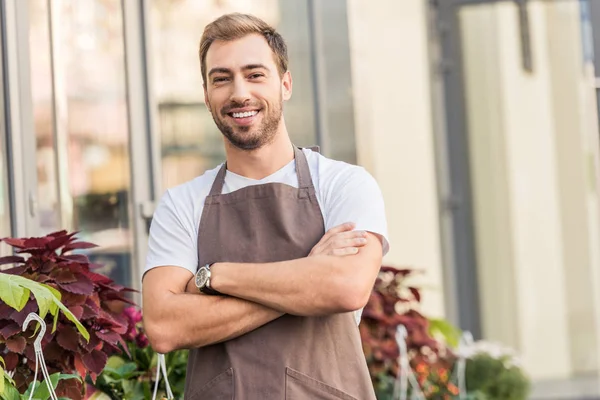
90 297
432 348
15 292
131 375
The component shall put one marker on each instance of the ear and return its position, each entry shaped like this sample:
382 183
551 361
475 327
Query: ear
286 86
206 101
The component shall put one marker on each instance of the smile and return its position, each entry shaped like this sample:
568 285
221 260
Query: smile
244 114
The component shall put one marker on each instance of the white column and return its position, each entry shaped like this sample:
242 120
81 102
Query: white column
394 134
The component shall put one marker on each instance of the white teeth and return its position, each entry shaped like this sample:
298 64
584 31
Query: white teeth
245 114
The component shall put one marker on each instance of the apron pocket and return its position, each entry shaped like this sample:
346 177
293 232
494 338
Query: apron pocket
302 387
218 388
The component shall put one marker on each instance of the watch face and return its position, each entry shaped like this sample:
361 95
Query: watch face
201 277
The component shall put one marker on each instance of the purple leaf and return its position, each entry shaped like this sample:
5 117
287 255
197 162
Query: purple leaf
79 246
63 276
16 344
68 338
94 361
109 337
10 329
11 260
82 286
20 316
57 243
80 258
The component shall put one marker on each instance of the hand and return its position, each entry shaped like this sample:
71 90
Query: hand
341 240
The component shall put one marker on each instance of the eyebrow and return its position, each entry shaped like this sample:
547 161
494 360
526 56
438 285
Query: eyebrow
248 67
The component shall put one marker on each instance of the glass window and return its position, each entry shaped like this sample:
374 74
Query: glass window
5 218
41 93
190 141
86 156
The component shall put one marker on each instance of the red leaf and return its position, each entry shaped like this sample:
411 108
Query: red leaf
109 337
94 341
97 278
79 246
19 243
68 338
94 361
80 258
63 276
10 329
11 360
16 344
20 316
72 299
81 370
77 311
82 286
36 243
11 260
48 267
57 243
15 271
124 346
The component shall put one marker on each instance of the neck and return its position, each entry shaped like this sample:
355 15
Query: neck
261 162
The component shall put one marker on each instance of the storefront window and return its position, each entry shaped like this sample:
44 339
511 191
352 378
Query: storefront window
81 122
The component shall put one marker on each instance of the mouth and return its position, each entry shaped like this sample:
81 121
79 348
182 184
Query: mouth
245 117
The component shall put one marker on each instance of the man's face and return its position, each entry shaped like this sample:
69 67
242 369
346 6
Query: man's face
244 90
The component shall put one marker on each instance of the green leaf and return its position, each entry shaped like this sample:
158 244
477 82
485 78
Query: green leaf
42 392
10 392
449 333
12 292
47 298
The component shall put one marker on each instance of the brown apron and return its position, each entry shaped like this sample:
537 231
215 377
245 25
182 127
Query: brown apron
292 357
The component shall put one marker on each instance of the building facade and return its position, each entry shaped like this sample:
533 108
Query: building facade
478 118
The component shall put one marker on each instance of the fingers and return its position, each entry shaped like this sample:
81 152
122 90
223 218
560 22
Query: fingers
346 251
348 226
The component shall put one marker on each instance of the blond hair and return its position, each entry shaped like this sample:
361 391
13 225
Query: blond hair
235 26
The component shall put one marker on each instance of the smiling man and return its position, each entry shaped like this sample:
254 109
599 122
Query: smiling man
262 266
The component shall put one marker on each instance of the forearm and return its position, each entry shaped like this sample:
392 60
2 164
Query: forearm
184 320
309 286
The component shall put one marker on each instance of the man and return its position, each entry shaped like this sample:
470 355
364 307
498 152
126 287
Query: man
240 267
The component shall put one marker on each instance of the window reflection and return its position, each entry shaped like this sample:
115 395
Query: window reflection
91 138
191 143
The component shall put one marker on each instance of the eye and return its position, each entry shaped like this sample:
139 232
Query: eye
220 79
256 75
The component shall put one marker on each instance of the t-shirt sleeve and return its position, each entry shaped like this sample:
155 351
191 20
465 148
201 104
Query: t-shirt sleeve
170 242
356 197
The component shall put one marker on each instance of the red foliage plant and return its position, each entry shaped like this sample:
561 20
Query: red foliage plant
393 303
90 296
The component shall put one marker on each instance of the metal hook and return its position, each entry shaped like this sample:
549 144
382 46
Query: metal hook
37 344
466 341
39 356
405 375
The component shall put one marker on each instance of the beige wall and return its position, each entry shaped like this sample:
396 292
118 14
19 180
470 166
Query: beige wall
534 199
391 85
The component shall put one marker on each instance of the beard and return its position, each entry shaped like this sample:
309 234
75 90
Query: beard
250 137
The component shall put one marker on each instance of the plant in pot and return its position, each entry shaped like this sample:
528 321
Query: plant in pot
392 303
15 292
89 296
132 375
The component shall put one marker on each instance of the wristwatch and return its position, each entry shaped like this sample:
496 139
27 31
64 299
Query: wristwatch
202 280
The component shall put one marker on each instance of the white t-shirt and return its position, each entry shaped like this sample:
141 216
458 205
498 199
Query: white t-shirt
345 193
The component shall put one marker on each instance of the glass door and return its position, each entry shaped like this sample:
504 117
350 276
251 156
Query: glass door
82 118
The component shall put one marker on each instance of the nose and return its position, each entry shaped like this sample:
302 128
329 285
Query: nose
240 93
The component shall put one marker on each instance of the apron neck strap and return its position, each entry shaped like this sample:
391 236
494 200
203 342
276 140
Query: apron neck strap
302 171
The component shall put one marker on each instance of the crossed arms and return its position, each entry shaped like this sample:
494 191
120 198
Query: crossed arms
337 276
